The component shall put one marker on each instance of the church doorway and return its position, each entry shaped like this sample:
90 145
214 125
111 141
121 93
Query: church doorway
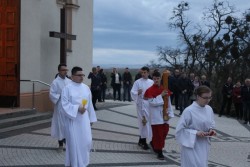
9 53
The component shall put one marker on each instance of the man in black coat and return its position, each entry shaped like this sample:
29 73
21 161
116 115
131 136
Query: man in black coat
227 91
245 94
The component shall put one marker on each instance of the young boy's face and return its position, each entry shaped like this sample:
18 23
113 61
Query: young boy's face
157 80
144 74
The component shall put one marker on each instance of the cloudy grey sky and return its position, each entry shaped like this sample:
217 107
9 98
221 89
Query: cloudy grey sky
127 32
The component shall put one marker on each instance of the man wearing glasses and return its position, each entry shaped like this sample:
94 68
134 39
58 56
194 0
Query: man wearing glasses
57 124
79 115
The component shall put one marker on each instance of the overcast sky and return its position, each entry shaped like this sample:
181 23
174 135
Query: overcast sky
129 31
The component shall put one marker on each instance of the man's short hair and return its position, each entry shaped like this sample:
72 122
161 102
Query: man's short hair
60 65
145 69
75 69
156 74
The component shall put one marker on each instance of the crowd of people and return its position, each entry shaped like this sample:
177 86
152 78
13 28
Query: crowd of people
195 127
117 82
190 95
238 94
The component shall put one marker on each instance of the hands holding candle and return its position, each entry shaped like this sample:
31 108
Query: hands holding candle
82 108
84 102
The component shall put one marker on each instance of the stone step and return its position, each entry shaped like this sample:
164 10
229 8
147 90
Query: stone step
6 114
20 120
26 125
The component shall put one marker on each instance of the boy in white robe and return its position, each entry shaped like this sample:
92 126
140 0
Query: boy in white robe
57 123
137 94
79 115
194 129
154 96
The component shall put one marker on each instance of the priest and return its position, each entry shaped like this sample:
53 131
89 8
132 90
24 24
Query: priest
137 93
79 115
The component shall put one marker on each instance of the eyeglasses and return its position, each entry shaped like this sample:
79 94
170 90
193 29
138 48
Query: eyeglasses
80 75
207 98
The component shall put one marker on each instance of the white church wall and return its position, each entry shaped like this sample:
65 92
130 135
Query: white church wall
30 42
40 54
82 47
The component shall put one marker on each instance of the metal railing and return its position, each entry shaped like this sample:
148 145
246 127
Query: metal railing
33 89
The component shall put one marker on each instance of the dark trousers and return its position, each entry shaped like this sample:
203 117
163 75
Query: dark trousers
226 102
183 101
246 110
103 94
95 94
117 88
126 92
99 95
175 97
238 110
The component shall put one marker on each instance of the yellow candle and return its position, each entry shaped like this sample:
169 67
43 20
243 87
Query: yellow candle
84 102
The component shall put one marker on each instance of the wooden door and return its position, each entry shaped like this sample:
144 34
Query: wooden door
9 52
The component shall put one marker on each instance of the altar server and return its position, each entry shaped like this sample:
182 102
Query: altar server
79 115
195 128
57 123
160 127
137 94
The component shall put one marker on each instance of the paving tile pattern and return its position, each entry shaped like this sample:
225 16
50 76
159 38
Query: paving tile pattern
115 138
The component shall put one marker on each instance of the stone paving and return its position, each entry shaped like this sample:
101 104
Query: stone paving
115 138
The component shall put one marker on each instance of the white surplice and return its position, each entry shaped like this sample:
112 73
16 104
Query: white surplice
144 84
77 125
57 123
155 110
194 149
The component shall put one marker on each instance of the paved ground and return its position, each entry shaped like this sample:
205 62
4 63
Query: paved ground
115 143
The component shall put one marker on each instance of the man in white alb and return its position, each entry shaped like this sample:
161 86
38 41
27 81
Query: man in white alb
79 115
137 94
57 124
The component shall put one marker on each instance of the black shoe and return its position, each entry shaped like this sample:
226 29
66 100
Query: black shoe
245 122
219 115
140 144
160 156
145 146
95 108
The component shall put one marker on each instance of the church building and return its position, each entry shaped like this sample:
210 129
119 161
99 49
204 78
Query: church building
35 36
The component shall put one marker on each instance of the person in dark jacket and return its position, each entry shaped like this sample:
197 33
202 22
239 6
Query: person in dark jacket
95 85
185 87
138 75
245 94
103 85
127 84
227 90
204 81
116 83
175 92
237 100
